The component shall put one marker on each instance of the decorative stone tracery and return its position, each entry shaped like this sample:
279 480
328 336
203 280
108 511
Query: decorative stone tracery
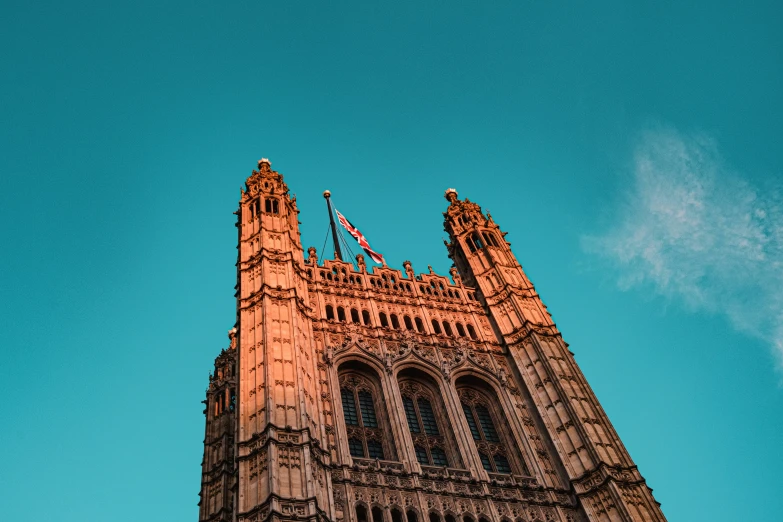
288 400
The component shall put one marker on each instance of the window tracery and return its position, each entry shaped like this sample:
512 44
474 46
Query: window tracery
486 423
364 420
427 423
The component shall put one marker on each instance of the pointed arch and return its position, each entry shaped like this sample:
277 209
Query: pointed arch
447 329
460 329
408 323
436 326
364 412
427 419
419 325
472 332
487 424
395 322
361 513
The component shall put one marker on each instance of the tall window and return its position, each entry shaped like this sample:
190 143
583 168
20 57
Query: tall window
486 428
365 430
419 325
395 322
408 322
436 326
428 425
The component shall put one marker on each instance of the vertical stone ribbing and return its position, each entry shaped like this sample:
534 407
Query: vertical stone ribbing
279 437
218 476
276 440
595 462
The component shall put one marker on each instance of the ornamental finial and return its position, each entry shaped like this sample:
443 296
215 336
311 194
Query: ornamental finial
451 195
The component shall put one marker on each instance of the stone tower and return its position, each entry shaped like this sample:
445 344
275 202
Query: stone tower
380 395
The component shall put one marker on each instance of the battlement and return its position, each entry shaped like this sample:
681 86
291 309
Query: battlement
392 282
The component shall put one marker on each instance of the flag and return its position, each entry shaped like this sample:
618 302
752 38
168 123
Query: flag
378 258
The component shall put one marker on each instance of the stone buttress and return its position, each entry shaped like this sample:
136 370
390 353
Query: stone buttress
371 394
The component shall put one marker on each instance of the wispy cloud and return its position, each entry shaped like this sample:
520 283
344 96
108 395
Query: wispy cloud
693 230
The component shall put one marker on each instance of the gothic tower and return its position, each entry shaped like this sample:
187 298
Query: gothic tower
351 394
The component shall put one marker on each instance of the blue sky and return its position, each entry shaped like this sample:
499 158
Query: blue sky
631 150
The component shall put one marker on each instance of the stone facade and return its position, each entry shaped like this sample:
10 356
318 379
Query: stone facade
380 395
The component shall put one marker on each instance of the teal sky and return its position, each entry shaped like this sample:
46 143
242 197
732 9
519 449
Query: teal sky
632 150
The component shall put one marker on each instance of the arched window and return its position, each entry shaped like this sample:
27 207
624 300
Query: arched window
367 429
487 239
355 315
268 206
450 518
408 322
361 513
433 441
472 332
366 318
275 209
419 325
396 515
477 241
447 329
341 314
329 313
412 517
377 514
436 326
395 322
460 330
488 427
434 517
384 321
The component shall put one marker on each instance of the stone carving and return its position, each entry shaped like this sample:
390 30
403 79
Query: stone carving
290 358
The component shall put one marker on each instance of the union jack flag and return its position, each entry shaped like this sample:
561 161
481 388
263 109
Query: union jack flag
378 258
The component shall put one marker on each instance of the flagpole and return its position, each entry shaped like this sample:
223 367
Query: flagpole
337 253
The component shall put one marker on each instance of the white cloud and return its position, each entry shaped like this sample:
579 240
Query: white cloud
694 231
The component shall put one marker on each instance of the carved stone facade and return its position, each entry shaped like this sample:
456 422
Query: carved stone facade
379 395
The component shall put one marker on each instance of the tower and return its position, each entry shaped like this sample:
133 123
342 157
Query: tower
351 394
